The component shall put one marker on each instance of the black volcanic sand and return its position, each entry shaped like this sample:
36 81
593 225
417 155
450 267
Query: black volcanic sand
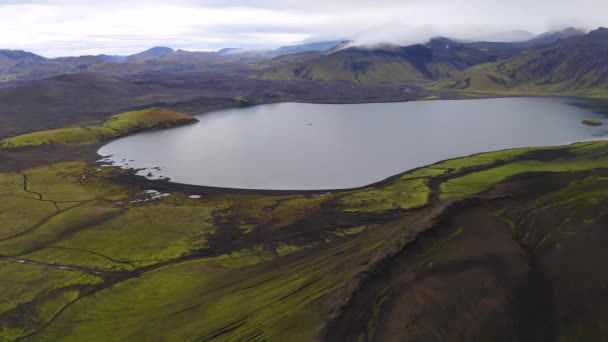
476 275
84 98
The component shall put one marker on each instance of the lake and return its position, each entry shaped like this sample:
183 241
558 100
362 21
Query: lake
321 146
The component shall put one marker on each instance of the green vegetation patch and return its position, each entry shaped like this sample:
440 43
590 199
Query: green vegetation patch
115 126
57 226
578 203
260 267
487 159
33 295
241 101
22 283
30 198
479 181
398 194
18 214
292 210
249 257
276 300
69 182
14 325
19 210
429 98
139 236
515 77
592 122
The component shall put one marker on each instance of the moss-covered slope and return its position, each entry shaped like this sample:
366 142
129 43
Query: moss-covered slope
381 64
574 66
113 127
84 255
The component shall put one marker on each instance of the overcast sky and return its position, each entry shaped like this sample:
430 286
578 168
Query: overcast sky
69 27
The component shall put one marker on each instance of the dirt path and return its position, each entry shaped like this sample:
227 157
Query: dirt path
66 267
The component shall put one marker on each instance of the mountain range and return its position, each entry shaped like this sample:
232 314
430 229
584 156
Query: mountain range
17 65
437 59
576 65
568 61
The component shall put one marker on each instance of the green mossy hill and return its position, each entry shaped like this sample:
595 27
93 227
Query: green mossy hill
378 64
85 258
573 67
115 126
592 122
509 163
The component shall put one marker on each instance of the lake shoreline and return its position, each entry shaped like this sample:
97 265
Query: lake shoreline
319 143
130 176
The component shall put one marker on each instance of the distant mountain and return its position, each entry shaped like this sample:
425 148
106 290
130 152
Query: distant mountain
574 65
37 68
386 63
229 50
284 50
112 58
10 58
560 61
155 52
17 55
291 59
506 37
483 51
551 37
316 46
342 45
383 63
156 60
496 51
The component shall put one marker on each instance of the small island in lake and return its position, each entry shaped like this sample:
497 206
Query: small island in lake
592 122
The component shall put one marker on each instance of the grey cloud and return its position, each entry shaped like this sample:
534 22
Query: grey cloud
367 21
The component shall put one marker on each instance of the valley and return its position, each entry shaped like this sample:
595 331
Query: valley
458 193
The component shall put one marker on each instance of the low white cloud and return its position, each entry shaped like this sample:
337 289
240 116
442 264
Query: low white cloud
69 27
